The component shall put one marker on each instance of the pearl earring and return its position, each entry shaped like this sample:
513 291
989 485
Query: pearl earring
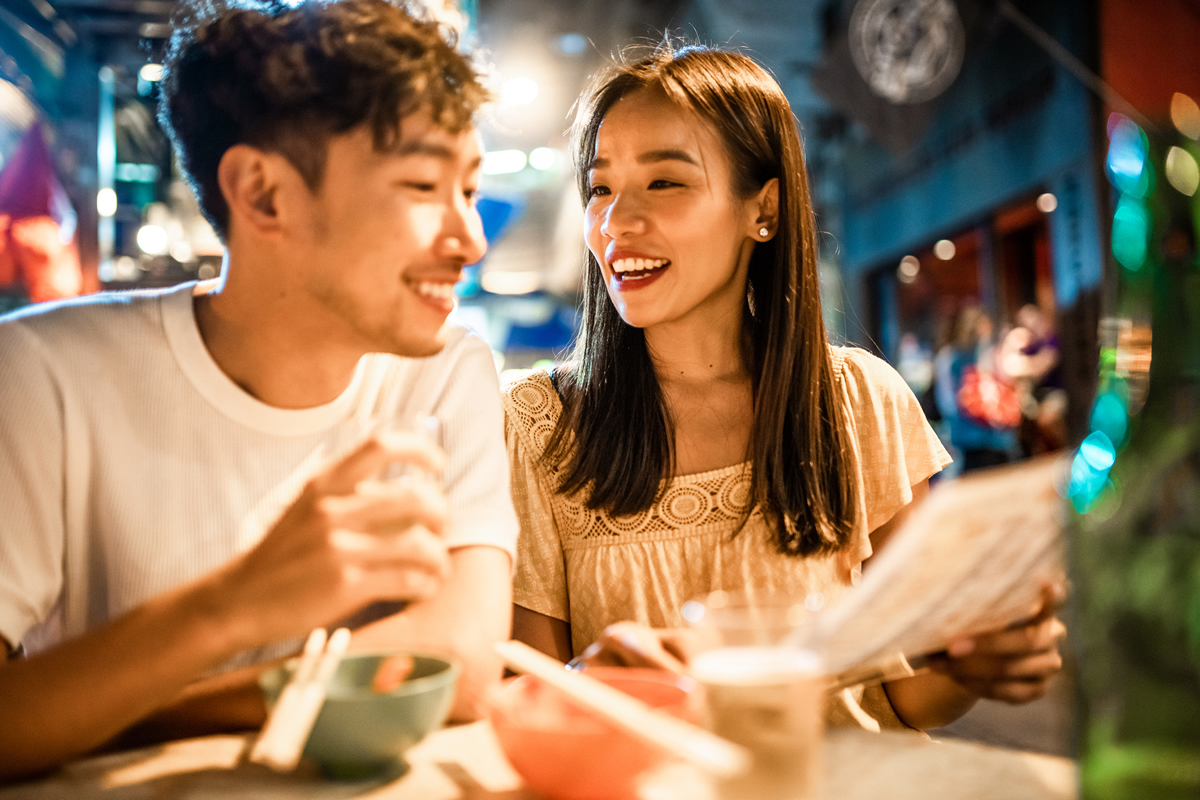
763 232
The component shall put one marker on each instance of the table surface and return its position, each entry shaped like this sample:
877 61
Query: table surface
466 762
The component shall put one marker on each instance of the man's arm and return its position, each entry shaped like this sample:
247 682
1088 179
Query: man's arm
333 551
469 615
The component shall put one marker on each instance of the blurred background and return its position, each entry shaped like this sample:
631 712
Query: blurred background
964 154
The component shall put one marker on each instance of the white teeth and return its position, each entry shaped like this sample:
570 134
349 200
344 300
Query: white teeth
437 291
638 264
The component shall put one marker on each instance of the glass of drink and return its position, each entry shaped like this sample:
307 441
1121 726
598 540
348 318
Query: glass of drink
763 690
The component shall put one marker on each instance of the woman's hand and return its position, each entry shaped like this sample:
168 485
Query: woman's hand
630 644
1014 664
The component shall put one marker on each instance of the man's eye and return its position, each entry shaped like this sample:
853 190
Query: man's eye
472 195
663 184
419 186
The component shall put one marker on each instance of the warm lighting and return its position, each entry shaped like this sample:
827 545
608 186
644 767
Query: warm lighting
153 239
519 92
1182 171
1186 115
106 202
503 162
908 269
1046 203
505 282
542 158
944 249
182 252
151 72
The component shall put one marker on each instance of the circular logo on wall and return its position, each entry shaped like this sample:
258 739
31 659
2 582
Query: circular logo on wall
907 51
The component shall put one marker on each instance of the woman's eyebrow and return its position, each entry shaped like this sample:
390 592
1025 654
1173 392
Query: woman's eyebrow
657 156
650 157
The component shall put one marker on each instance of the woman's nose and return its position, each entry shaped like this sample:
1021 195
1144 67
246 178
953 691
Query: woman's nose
624 215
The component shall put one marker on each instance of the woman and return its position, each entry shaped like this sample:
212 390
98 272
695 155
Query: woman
704 434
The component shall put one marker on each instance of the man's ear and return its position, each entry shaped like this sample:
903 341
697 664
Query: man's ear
250 180
766 203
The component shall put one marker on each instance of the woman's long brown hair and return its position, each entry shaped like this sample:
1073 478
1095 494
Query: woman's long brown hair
615 437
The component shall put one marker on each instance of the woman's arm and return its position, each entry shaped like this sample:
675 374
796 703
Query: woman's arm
1014 664
551 636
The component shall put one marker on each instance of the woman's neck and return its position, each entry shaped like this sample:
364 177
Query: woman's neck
708 391
698 351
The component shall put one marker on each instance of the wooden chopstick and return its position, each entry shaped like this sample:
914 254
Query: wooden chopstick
682 739
286 731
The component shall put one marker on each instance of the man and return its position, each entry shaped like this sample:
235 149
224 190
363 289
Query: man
189 477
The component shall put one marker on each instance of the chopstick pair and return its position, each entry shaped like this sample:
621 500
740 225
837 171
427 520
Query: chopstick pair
286 731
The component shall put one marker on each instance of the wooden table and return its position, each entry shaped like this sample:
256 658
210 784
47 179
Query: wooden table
465 762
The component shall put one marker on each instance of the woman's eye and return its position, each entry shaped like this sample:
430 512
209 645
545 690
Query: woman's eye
663 184
419 186
597 191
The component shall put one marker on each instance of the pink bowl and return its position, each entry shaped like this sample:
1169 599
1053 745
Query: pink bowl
564 752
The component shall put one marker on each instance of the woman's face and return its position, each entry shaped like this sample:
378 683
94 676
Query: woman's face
672 238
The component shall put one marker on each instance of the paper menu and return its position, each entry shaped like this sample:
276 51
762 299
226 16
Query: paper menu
971 557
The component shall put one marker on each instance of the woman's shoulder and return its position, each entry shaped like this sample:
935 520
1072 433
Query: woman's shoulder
859 372
531 406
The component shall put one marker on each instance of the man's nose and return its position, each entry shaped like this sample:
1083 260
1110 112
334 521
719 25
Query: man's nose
463 237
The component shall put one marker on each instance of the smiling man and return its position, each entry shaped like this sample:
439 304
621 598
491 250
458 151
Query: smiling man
190 478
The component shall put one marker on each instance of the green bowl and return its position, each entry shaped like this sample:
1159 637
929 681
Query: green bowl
361 733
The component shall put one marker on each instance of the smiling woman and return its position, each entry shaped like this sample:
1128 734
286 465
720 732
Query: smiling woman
704 435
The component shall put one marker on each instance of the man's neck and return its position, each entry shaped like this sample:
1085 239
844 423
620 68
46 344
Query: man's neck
270 347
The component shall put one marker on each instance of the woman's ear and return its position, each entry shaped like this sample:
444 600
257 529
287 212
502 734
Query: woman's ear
250 182
766 204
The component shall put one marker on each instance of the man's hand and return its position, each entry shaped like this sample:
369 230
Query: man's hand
1014 664
348 540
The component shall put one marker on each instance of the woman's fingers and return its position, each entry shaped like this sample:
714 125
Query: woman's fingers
628 644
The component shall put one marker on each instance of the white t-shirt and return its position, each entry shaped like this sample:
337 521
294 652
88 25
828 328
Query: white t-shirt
131 464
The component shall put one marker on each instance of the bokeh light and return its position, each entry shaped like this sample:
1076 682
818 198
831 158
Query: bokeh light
1182 171
1186 115
106 202
542 157
519 91
1047 203
1110 417
151 72
1130 231
909 267
503 162
153 239
1127 150
944 249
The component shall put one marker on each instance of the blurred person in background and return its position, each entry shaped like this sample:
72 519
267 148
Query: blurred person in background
976 400
705 435
189 477
1029 355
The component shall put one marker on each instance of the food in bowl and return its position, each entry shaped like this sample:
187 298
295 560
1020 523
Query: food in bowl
566 753
361 732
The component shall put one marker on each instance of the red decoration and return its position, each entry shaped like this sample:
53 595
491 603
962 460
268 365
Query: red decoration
37 224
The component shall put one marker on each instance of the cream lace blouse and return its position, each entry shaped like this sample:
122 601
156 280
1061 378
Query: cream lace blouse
591 569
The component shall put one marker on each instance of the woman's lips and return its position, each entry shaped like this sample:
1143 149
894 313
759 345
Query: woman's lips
636 279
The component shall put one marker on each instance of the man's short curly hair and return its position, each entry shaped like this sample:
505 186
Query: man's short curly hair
284 78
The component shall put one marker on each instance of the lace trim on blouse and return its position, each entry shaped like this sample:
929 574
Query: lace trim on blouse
703 502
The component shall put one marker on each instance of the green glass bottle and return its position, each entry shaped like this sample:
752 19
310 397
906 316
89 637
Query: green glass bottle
1135 489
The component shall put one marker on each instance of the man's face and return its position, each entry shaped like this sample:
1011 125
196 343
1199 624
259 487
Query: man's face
390 234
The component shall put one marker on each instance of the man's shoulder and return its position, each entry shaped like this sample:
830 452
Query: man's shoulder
80 321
